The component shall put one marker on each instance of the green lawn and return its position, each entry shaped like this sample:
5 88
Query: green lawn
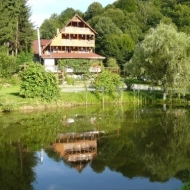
10 99
9 91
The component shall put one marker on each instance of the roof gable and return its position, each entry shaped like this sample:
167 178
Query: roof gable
75 18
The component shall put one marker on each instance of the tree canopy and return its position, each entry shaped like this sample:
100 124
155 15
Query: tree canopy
16 29
131 17
163 56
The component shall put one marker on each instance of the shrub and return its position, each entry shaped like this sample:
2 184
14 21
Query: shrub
24 57
7 65
36 82
108 82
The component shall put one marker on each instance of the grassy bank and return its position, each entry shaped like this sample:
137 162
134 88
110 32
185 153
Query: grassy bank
10 99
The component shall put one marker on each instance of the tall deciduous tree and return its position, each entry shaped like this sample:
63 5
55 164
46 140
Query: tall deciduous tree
127 5
66 15
148 14
105 27
132 26
118 47
94 9
47 29
180 15
164 56
119 19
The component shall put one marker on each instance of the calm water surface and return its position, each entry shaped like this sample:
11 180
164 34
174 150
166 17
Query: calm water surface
114 148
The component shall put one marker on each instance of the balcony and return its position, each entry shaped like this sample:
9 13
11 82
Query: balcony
77 30
78 43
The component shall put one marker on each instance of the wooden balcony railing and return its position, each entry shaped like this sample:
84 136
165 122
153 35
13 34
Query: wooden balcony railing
74 42
77 30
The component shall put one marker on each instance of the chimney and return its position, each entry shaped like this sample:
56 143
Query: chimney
57 30
39 44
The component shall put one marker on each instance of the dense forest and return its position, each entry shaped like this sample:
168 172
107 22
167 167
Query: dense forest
16 34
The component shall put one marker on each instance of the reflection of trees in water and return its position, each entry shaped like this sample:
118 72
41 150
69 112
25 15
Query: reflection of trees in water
165 146
16 167
37 130
157 146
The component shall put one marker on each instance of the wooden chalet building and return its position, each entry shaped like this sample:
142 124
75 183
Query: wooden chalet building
75 41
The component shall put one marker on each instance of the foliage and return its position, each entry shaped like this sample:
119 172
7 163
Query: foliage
10 97
108 82
109 28
132 27
119 47
36 82
119 19
148 14
7 105
24 57
47 29
7 65
66 15
111 62
163 57
25 28
69 80
103 31
93 10
131 17
127 5
78 65
9 81
186 186
16 28
152 139
179 13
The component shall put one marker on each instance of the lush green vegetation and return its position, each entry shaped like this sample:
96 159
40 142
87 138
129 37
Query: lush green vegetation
7 65
119 34
78 65
11 100
16 33
138 141
163 57
149 38
36 82
146 38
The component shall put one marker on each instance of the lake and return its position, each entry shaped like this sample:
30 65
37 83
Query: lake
111 147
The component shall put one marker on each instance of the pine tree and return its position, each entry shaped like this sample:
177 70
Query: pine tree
25 28
16 28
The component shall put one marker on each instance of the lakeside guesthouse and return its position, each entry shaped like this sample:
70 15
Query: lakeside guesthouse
75 41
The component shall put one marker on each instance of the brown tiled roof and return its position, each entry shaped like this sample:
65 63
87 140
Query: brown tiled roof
72 56
35 48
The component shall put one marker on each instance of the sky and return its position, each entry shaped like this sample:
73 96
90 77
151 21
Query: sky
43 9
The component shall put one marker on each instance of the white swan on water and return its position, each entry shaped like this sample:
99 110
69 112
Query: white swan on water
70 120
67 120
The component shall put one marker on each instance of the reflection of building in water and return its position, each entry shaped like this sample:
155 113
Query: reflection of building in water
78 149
